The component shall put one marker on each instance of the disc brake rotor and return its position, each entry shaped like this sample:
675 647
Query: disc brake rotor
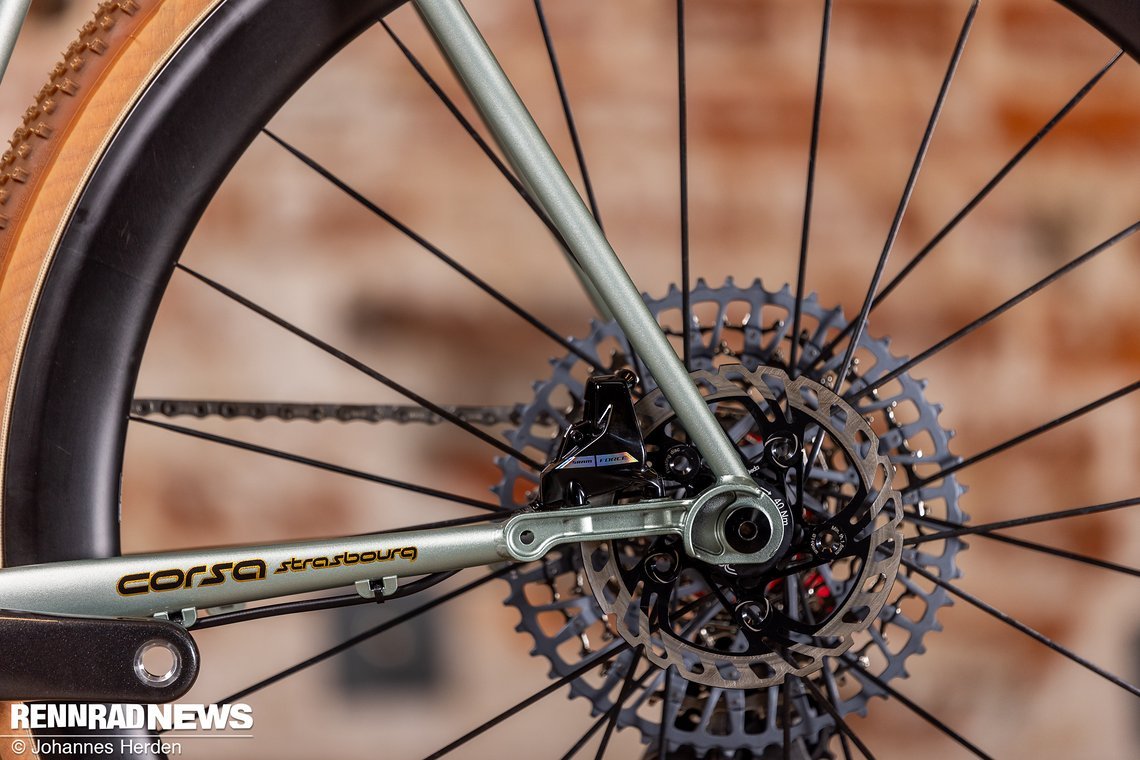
768 627
729 636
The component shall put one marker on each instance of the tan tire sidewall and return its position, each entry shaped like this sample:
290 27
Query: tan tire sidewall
53 154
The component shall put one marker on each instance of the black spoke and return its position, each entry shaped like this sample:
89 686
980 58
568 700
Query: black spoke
1006 445
908 191
604 655
995 181
1063 554
833 695
984 528
786 718
683 154
626 688
844 730
364 636
434 250
996 312
1018 625
813 151
571 125
616 707
828 675
318 464
597 724
787 685
1041 548
473 133
579 152
359 366
593 729
866 676
900 212
662 747
599 657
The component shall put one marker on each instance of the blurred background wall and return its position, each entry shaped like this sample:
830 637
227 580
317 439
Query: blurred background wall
286 238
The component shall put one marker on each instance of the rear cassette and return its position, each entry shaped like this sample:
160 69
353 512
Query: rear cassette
725 714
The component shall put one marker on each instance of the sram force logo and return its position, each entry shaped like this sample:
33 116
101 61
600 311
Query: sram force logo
205 575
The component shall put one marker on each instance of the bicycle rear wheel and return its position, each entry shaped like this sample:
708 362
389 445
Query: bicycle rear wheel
106 183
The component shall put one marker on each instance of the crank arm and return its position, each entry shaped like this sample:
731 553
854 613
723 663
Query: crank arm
178 584
84 659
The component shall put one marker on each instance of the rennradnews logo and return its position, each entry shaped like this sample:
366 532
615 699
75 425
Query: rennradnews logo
170 717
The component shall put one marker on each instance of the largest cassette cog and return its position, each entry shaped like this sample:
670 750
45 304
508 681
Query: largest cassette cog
710 703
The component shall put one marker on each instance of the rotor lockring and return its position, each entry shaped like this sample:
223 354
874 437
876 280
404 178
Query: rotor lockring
748 530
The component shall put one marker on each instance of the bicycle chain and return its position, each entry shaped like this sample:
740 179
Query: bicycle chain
372 413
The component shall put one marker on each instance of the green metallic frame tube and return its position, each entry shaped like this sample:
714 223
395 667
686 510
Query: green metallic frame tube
532 158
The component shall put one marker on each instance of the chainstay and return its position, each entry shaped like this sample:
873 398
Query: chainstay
316 412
